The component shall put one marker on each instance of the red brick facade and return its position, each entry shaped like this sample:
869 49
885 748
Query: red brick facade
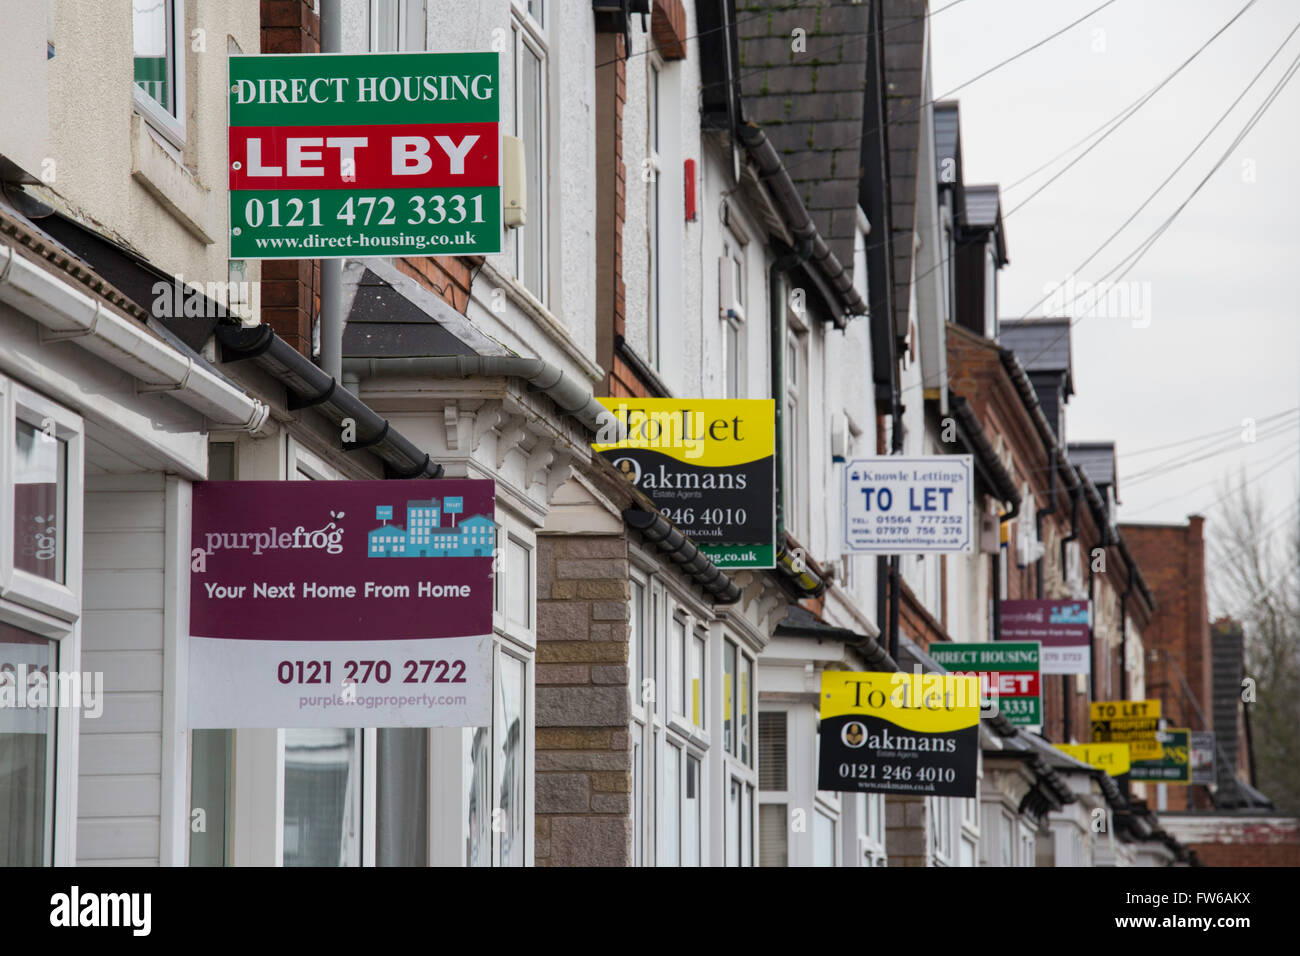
290 287
1178 638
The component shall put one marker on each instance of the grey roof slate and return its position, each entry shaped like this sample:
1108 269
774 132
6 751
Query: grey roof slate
947 139
1042 345
1096 460
983 206
810 103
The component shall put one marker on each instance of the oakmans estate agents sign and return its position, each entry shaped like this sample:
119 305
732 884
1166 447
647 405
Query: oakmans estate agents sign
341 603
909 505
709 467
372 154
899 733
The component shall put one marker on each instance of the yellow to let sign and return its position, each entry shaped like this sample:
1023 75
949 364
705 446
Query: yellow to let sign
1112 758
1124 709
928 703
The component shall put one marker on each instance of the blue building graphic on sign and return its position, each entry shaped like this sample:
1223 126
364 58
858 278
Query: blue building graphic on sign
425 536
1069 614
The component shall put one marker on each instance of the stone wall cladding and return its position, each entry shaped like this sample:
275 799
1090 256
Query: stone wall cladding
583 762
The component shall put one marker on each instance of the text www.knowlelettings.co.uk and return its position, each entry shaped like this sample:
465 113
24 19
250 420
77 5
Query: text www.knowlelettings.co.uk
364 242
1182 922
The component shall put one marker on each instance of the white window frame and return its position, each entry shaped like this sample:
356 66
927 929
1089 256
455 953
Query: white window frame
529 32
795 428
42 607
734 266
659 727
409 13
169 126
49 597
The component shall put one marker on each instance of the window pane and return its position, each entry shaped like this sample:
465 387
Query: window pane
26 748
636 642
823 840
518 584
478 849
321 777
731 335
733 822
691 814
773 835
671 833
638 794
697 683
728 695
210 791
383 14
402 795
151 28
40 492
530 130
747 828
746 688
676 642
510 761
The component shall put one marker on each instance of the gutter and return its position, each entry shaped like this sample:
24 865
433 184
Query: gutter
678 548
66 313
572 397
309 386
876 657
792 209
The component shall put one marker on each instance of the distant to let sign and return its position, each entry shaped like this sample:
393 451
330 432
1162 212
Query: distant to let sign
899 733
1172 765
375 154
341 604
1008 675
1134 722
909 505
1203 762
1112 758
1063 628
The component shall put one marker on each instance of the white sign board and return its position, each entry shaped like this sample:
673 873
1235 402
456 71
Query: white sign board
909 505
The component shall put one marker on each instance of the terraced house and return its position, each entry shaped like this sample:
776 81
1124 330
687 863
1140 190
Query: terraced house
702 199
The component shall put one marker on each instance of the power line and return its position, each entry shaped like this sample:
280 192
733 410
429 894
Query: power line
1231 429
961 86
1283 457
1182 461
1142 248
1144 100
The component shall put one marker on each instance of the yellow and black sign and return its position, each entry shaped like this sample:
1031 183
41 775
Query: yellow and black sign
1173 764
1113 758
707 464
899 733
1133 722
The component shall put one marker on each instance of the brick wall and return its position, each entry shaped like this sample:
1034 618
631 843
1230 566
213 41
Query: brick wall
290 287
906 836
1177 639
447 277
584 767
611 201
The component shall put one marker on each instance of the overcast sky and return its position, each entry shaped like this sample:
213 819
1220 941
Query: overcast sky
1219 287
